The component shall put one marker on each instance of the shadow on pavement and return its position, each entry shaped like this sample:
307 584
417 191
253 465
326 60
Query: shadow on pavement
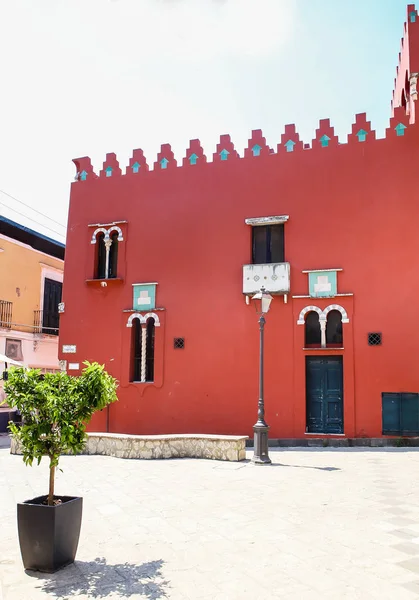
247 461
4 440
98 579
308 467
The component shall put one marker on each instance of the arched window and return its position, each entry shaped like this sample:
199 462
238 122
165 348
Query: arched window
404 101
312 330
101 257
149 371
136 350
334 331
113 256
142 350
406 90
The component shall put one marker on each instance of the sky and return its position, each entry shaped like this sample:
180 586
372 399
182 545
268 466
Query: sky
87 77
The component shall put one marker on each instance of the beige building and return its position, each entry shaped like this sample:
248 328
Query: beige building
31 275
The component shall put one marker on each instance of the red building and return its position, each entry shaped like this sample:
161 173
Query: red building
160 264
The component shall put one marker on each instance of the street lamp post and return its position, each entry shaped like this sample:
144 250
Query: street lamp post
260 430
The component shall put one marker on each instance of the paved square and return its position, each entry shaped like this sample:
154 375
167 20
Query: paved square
317 524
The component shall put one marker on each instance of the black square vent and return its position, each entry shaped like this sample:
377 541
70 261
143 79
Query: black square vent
374 339
179 343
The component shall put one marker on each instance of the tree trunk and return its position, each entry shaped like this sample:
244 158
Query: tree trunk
51 484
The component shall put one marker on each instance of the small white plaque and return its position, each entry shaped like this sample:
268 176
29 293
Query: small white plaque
322 284
73 366
144 298
69 349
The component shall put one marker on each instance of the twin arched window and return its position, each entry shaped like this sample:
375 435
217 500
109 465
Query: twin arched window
325 333
106 255
142 351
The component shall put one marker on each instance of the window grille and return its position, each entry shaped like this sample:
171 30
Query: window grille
179 343
374 339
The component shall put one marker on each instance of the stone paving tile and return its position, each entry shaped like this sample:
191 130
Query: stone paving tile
412 586
407 547
401 521
403 534
319 523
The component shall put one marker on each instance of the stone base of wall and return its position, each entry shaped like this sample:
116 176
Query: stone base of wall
340 442
216 447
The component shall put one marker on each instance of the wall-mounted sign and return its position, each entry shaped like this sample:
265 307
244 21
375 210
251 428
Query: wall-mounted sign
322 284
73 366
69 349
144 296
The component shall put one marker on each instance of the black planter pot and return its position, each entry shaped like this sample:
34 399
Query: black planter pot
49 535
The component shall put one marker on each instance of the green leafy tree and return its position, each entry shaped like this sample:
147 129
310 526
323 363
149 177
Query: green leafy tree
55 409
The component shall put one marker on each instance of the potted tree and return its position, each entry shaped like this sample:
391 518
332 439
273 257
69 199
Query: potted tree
55 409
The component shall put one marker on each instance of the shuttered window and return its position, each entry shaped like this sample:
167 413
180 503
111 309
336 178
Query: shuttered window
268 244
52 298
400 413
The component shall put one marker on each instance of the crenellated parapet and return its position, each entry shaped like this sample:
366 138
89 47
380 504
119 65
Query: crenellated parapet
325 141
225 150
165 158
325 135
257 145
111 166
84 169
405 91
137 164
361 130
399 123
194 154
290 140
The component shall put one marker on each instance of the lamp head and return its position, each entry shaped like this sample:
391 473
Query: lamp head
262 301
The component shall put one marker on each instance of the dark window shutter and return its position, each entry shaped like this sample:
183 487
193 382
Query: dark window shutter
101 257
276 243
409 414
400 414
52 298
150 350
268 244
312 330
113 256
260 244
334 331
136 350
391 413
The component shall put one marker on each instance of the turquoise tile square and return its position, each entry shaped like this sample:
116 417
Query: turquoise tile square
322 284
144 296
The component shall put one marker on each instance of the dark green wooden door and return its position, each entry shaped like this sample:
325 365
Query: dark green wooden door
324 394
400 413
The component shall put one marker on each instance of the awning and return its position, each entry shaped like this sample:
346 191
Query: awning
10 361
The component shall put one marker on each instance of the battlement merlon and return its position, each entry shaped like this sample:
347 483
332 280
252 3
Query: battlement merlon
325 141
405 91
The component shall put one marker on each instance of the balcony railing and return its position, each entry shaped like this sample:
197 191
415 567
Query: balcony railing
46 322
6 314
